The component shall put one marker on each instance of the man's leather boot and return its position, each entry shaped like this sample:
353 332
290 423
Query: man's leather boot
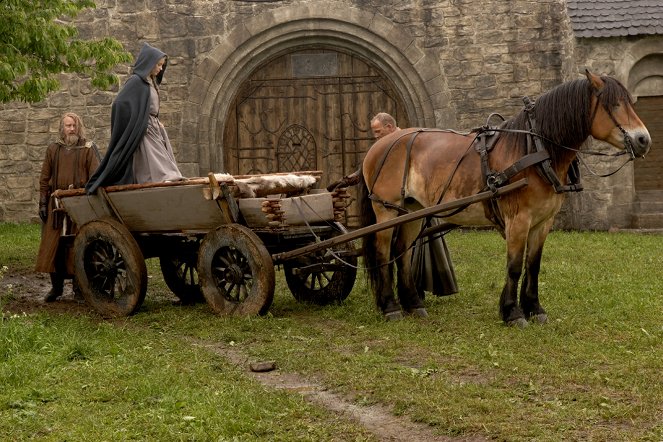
57 281
78 295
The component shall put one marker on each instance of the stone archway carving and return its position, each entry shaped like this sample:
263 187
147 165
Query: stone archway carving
640 64
646 76
642 67
415 71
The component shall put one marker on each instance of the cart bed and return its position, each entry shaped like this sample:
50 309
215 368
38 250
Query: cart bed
192 206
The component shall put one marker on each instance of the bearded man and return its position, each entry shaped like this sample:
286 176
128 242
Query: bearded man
68 164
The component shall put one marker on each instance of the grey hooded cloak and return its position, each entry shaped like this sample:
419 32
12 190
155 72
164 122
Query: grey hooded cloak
134 124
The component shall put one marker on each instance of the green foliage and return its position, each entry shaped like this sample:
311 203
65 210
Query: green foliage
37 44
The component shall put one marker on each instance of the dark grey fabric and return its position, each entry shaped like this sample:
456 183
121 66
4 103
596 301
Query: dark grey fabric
432 267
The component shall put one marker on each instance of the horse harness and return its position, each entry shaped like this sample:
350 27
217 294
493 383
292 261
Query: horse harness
408 148
537 155
484 142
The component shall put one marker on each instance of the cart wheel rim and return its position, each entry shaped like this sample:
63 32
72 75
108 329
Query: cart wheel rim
109 268
236 271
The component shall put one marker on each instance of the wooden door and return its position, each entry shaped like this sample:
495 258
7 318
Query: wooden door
308 110
649 172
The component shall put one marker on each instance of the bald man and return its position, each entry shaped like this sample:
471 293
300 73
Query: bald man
383 124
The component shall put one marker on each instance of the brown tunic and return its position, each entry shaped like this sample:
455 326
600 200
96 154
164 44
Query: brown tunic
63 167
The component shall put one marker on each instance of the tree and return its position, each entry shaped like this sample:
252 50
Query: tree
37 43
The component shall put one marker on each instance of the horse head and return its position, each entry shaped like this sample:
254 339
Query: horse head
614 119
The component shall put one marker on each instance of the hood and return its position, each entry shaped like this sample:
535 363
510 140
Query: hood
147 58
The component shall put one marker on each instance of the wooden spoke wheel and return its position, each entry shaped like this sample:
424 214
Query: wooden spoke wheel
322 278
236 271
181 275
110 268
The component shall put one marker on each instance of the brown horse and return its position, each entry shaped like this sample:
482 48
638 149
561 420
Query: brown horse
415 168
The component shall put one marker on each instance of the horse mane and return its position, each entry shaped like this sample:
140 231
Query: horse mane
564 114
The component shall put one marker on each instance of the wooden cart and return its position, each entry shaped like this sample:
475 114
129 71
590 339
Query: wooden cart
213 242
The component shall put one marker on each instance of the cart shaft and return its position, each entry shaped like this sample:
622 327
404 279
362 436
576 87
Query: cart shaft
428 211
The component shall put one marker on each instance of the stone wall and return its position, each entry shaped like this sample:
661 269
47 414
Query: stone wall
467 58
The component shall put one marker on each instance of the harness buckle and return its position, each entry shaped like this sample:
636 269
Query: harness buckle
494 180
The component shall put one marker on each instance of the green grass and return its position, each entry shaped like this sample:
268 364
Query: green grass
67 379
19 244
592 373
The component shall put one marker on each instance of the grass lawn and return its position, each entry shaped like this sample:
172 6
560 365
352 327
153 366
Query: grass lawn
591 373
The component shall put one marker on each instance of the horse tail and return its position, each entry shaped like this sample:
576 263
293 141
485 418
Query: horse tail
367 218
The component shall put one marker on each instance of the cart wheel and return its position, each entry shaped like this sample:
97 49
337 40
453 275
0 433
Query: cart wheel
181 277
322 278
110 268
236 272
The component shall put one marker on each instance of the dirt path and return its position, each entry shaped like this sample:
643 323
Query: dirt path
27 293
376 419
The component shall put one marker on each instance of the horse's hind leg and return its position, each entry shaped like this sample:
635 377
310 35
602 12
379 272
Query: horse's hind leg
384 286
408 293
529 291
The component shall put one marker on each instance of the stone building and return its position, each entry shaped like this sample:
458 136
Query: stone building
259 86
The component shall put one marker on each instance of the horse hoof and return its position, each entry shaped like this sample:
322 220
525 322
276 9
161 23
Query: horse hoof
418 312
541 318
520 323
393 316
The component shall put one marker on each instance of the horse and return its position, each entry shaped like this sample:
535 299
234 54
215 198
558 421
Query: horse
416 168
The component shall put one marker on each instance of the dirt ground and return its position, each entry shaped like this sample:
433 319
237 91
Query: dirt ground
26 295
27 292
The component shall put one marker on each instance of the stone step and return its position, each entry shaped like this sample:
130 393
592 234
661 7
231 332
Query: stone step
648 206
649 195
653 220
648 209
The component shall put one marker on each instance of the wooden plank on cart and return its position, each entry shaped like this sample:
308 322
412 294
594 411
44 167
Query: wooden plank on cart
191 205
151 209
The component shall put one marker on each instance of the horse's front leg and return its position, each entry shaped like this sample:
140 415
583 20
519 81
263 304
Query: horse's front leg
529 290
516 240
384 285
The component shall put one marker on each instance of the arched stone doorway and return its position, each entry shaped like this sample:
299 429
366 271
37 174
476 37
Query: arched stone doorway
309 109
366 38
646 82
361 39
644 67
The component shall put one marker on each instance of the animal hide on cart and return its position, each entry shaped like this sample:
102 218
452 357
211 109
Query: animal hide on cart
263 185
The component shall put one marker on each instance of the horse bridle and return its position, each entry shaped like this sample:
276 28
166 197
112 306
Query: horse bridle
628 141
495 179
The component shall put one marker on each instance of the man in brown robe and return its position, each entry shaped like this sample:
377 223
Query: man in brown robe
68 164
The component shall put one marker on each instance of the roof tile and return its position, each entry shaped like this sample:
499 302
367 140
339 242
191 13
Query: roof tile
614 18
